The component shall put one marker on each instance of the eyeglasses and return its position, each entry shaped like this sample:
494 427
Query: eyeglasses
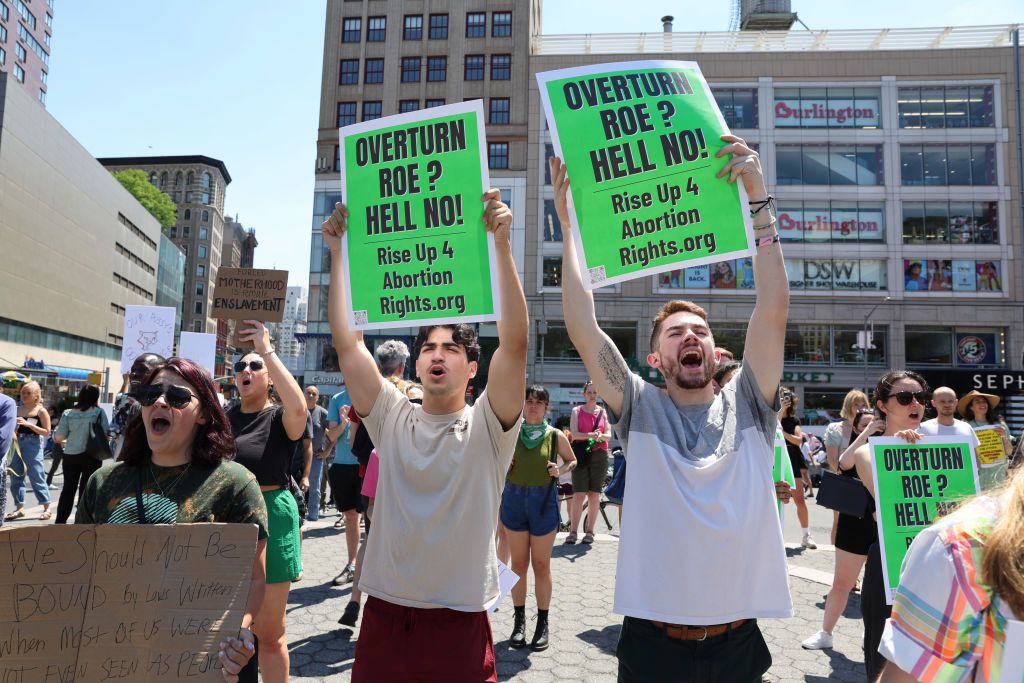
176 397
904 398
255 364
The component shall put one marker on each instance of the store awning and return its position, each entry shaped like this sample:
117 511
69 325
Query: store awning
69 373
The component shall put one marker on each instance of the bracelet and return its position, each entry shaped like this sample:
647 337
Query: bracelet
769 202
266 353
768 240
767 226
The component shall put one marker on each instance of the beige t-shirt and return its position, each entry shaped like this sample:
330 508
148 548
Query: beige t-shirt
436 509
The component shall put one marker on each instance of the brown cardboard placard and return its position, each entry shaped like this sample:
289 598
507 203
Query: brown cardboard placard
249 294
132 602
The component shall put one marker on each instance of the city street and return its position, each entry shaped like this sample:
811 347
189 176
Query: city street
584 630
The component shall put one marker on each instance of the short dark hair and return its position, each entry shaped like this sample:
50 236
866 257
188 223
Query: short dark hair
675 306
88 397
538 392
214 441
462 334
724 369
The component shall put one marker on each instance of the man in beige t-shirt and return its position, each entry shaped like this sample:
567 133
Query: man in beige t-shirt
430 568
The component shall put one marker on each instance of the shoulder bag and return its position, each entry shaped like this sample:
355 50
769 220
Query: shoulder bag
842 494
98 446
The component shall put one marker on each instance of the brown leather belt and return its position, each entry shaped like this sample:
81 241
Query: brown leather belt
683 632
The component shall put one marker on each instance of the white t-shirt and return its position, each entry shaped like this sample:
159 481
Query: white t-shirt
701 540
436 508
958 428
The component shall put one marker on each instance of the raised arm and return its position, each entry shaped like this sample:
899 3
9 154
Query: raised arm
292 398
357 365
766 333
604 363
508 364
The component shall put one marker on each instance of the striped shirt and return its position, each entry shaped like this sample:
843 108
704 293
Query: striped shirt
947 625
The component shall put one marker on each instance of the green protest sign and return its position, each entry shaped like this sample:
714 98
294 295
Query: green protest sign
783 469
416 251
915 484
639 142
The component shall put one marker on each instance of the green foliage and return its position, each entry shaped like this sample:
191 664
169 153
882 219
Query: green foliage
156 202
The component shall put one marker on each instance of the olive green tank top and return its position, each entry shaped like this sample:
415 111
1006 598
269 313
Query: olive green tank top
529 465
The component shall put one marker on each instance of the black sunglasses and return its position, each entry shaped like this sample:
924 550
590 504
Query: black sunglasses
904 398
176 397
256 365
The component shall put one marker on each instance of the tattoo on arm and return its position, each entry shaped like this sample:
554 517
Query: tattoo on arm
612 365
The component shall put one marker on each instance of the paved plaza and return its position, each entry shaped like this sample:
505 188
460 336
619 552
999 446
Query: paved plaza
584 630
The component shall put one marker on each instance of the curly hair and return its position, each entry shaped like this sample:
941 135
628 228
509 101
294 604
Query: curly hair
462 334
214 441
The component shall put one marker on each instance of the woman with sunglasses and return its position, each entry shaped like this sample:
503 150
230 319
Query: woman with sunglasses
266 436
178 456
900 398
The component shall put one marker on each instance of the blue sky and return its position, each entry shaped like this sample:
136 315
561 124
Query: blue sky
239 80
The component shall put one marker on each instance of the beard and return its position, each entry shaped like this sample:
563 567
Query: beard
708 371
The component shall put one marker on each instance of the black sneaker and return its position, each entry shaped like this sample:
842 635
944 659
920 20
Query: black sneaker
351 614
518 638
540 636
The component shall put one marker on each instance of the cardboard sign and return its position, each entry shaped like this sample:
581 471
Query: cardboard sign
416 251
131 602
990 451
147 329
915 484
783 469
639 142
199 347
250 294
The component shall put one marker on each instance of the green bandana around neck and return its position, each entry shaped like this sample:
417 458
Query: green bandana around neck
532 435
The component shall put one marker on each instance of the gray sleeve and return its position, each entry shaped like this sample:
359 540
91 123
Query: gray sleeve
630 399
748 395
8 419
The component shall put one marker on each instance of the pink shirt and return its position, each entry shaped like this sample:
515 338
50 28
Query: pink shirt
370 478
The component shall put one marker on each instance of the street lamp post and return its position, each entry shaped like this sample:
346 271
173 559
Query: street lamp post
865 342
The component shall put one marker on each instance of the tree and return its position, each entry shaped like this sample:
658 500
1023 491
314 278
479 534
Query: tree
156 202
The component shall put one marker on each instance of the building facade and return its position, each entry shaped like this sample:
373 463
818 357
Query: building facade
291 330
78 249
400 56
170 280
26 28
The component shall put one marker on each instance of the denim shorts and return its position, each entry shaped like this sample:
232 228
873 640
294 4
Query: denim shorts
523 509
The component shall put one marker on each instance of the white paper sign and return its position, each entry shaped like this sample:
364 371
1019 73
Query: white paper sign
200 348
506 579
147 329
1013 652
108 408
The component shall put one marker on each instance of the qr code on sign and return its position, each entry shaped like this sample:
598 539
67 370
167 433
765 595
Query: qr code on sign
597 275
361 317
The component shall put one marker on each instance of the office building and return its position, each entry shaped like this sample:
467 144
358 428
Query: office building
26 28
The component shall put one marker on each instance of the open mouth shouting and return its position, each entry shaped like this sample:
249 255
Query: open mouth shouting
159 423
691 359
437 371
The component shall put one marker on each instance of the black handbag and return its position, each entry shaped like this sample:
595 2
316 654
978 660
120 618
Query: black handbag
98 446
842 494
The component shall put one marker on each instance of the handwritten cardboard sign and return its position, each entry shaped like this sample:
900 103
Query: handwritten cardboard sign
250 294
147 329
90 603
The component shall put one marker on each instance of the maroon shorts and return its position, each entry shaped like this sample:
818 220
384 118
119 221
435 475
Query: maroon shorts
410 644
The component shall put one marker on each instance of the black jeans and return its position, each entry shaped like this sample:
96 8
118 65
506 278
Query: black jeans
874 611
78 467
647 655
58 454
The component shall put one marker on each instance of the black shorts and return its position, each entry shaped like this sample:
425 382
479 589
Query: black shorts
856 535
345 487
798 463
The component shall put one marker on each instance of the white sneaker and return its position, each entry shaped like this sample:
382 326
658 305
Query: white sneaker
819 641
809 543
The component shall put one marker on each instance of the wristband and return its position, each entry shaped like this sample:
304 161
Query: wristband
266 353
769 202
767 241
767 226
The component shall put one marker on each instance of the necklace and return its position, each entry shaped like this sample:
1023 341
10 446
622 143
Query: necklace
173 483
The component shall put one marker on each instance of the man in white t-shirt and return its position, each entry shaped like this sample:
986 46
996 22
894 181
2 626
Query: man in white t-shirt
430 569
944 402
701 555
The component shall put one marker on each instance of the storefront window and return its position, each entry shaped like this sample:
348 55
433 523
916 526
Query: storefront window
807 345
829 164
821 406
730 336
946 107
558 347
848 342
738 105
827 108
950 222
737 274
552 276
952 275
551 227
839 221
957 164
838 275
929 345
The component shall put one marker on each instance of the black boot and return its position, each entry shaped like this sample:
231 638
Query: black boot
518 638
540 636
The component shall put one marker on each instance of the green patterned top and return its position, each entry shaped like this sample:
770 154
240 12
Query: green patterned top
227 493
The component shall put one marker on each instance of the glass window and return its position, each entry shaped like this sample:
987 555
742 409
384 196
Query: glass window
827 108
188 215
499 111
346 113
200 270
980 107
738 105
957 164
474 68
337 159
349 72
437 68
815 162
202 251
551 227
204 233
371 111
186 231
413 27
3 53
932 108
405 106
438 26
430 104
954 106
849 345
807 345
840 275
497 155
501 24
983 164
838 221
549 151
410 69
197 325
376 29
829 165
913 223
929 345
501 67
374 71
911 165
476 25
552 273
201 287
351 30
934 163
908 102
20 52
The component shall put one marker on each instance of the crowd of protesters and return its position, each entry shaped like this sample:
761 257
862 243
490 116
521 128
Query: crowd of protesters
449 486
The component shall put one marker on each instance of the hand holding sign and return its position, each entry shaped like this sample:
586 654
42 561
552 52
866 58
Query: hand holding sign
334 227
257 334
497 215
745 164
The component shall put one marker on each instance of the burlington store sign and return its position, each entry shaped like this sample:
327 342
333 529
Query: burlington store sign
836 224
